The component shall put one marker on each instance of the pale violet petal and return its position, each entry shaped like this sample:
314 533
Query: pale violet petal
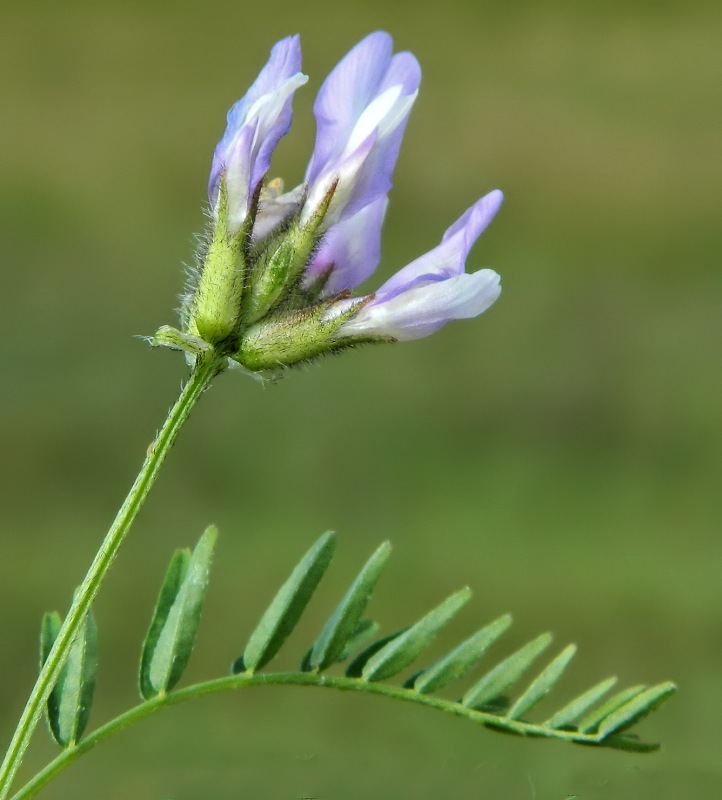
344 173
423 310
255 125
369 93
352 248
274 211
449 257
350 87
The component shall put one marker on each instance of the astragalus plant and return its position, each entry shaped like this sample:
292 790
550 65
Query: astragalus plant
273 287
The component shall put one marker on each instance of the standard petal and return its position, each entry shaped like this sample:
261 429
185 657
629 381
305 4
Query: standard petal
352 249
366 98
274 122
349 88
424 309
255 124
448 258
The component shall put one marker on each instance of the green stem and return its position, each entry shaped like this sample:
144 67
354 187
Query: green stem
205 370
148 708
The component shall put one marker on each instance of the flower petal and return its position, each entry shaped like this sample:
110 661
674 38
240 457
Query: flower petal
422 310
448 258
275 210
349 88
255 124
362 109
352 248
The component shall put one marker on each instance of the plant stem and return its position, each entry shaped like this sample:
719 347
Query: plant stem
149 707
207 367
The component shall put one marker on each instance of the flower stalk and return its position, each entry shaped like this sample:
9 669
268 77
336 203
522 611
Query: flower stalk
205 369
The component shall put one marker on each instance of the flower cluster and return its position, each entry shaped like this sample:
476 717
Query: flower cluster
273 287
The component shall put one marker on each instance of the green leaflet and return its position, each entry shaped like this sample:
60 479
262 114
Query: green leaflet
404 649
636 708
343 624
366 629
168 591
287 606
69 704
356 667
629 743
542 684
495 682
590 722
579 705
169 642
462 658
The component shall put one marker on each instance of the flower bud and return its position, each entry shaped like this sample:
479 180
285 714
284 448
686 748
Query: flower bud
216 306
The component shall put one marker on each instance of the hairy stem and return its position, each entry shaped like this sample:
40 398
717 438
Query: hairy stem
148 708
205 370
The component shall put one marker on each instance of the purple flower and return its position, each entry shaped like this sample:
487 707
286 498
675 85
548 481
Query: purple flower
256 123
361 113
277 292
426 294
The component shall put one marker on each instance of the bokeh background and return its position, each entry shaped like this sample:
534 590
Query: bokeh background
560 454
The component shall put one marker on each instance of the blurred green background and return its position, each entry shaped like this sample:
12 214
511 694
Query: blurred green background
560 454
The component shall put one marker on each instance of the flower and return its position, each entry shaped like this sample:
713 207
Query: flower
426 294
256 123
274 284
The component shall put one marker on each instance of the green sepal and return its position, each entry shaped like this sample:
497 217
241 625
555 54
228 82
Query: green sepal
215 311
287 336
286 608
277 270
636 708
461 659
567 715
173 339
172 633
540 687
489 689
343 624
405 649
68 707
280 265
